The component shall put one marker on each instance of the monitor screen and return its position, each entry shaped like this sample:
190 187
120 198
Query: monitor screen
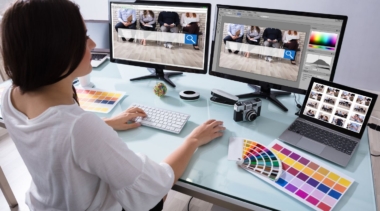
282 49
160 34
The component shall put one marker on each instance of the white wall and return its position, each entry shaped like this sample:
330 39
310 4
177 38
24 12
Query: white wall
359 60
4 4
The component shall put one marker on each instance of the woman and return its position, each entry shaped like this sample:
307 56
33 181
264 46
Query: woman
290 40
147 23
76 160
253 37
189 22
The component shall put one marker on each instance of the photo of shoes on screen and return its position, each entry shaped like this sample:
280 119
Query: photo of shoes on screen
338 107
262 50
166 35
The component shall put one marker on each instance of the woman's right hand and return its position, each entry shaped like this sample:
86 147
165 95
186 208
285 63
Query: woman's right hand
206 132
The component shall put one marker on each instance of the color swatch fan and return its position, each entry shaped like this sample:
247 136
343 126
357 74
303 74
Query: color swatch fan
260 160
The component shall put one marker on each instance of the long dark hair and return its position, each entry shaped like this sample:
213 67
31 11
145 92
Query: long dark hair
255 27
151 13
38 51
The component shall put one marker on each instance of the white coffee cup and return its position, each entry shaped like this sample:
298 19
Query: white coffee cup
85 81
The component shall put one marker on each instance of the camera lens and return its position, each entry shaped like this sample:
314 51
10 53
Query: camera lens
250 115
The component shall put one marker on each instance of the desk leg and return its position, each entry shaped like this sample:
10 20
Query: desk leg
7 191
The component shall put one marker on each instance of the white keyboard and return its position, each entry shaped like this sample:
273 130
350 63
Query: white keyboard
162 119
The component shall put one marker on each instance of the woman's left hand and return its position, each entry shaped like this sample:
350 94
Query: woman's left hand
125 120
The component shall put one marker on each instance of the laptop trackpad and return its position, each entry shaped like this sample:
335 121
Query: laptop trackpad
310 145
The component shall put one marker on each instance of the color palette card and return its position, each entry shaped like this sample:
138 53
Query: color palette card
304 178
255 158
96 100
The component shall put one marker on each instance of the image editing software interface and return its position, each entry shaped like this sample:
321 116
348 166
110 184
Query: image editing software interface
160 35
281 49
338 107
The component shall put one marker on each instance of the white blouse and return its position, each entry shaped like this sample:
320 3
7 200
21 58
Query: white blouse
187 20
287 37
78 162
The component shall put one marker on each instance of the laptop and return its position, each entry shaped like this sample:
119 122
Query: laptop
98 30
332 121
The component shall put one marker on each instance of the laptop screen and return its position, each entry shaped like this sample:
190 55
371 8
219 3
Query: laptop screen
98 31
337 106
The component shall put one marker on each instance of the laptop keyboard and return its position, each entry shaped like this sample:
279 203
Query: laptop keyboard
333 140
98 56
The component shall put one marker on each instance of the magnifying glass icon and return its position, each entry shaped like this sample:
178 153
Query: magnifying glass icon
190 38
288 53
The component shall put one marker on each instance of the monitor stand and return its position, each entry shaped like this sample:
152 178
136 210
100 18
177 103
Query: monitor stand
160 74
265 92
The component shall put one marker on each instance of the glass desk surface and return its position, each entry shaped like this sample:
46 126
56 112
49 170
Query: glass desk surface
209 168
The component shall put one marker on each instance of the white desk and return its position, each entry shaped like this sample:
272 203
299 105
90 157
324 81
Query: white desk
210 175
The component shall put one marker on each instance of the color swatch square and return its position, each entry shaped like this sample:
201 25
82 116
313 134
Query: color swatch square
302 176
312 182
312 200
324 207
307 188
301 194
298 166
329 201
291 188
328 182
318 194
335 194
344 182
323 188
304 161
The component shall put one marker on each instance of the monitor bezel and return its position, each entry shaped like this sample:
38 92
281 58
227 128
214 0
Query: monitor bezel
206 37
345 88
285 12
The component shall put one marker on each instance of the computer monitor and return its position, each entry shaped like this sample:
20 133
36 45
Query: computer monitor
275 49
160 35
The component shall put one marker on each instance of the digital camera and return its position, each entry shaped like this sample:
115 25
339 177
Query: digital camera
247 110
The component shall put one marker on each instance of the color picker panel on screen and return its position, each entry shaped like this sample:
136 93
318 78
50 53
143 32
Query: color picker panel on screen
316 185
98 100
259 160
323 40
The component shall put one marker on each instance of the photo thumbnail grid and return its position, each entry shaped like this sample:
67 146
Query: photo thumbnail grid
337 107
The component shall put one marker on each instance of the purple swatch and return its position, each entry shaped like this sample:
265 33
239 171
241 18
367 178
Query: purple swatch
301 194
313 182
294 156
291 188
304 161
285 151
303 176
